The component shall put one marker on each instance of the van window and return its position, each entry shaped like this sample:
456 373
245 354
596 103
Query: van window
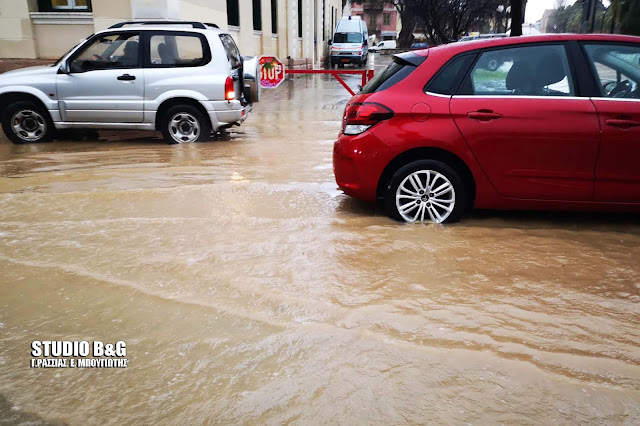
347 38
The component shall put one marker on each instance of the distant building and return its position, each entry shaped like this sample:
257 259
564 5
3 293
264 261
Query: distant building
382 21
548 21
49 28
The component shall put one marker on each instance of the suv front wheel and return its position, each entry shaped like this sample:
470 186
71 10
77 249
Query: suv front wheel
27 122
426 191
184 124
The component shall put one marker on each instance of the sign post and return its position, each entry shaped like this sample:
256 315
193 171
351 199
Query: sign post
272 72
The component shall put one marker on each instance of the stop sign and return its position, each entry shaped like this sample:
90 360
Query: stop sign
271 72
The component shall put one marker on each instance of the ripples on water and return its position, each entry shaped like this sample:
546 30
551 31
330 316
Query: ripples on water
248 289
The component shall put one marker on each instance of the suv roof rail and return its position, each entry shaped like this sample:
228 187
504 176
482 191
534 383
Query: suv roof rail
199 25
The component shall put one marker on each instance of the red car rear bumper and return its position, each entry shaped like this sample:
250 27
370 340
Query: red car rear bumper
358 163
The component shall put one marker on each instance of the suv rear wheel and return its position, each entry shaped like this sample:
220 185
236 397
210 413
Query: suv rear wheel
426 191
27 122
184 124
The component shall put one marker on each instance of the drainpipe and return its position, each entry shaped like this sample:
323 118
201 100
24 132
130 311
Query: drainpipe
313 34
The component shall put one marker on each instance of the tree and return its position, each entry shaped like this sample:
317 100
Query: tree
567 19
517 17
630 17
615 10
446 20
408 22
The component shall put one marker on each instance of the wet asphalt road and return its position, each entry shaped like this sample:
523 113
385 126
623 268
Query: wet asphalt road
250 290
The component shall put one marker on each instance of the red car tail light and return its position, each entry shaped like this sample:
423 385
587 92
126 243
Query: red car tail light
229 91
359 117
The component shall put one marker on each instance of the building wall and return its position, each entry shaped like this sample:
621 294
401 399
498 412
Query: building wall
16 32
109 12
53 43
374 17
547 22
26 32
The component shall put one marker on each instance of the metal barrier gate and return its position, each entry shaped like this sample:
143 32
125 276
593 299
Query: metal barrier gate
366 75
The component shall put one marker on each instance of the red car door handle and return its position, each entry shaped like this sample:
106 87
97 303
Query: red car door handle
484 115
622 124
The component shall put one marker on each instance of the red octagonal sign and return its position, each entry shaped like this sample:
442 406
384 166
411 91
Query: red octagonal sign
271 72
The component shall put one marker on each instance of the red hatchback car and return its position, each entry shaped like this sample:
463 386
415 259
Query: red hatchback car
536 122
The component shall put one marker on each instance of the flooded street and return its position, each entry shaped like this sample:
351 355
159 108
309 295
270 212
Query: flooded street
248 289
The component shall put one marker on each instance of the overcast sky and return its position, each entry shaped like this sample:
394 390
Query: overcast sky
535 8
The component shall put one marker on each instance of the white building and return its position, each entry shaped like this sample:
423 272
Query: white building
286 28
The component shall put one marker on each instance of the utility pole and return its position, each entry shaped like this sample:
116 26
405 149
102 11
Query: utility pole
593 16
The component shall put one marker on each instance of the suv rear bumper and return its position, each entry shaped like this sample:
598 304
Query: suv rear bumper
224 113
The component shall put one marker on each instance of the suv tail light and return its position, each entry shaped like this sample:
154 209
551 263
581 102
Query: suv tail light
359 117
229 91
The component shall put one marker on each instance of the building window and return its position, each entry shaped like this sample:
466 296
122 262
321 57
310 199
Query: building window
64 5
299 18
386 19
257 15
372 22
233 13
274 16
70 4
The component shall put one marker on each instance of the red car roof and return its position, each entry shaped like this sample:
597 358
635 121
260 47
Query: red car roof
464 46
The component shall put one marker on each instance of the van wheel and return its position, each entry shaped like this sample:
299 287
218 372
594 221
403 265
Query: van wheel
426 191
27 122
184 124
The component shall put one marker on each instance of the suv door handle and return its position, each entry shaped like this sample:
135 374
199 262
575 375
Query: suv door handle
484 115
126 77
621 124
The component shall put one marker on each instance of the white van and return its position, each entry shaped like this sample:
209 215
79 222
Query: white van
383 45
349 45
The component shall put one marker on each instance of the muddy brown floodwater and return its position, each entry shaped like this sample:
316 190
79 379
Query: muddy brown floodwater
248 289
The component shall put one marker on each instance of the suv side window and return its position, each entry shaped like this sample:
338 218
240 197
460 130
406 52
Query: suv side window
536 70
109 51
233 54
617 68
176 50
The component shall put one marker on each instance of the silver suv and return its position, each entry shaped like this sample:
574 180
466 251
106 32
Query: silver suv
185 79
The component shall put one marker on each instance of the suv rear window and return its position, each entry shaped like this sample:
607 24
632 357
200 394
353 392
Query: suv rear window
396 71
233 54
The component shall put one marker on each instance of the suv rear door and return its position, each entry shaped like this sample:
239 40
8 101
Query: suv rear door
235 61
617 68
531 134
174 64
